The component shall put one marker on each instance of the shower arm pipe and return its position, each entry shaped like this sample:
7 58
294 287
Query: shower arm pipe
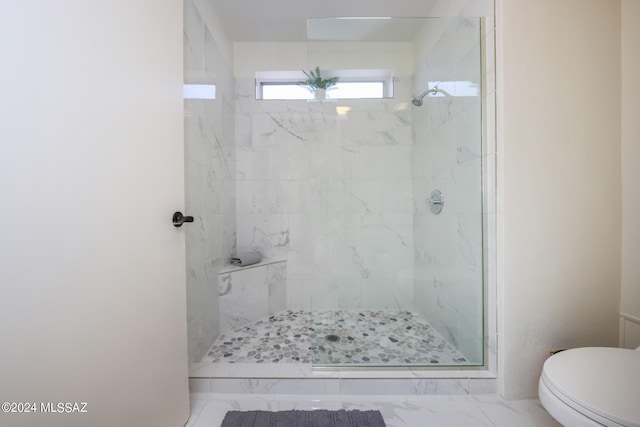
433 91
417 100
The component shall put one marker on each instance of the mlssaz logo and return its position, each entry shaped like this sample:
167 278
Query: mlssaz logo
64 407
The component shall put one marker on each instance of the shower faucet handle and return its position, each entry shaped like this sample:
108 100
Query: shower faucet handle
436 202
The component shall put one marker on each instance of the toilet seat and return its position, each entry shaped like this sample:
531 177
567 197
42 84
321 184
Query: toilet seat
596 384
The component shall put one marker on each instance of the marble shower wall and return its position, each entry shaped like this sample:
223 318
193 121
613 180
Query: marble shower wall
210 175
331 194
447 155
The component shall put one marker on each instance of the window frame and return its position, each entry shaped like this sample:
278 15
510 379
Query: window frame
290 78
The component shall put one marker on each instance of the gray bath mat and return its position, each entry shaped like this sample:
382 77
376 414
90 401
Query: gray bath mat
317 418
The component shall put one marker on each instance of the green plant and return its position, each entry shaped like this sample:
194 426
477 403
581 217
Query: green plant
315 81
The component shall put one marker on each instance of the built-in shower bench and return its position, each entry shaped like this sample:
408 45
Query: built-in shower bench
248 294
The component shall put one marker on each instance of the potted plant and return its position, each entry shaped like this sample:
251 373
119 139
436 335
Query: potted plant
316 84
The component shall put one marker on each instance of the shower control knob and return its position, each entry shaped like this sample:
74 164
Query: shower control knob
436 201
179 219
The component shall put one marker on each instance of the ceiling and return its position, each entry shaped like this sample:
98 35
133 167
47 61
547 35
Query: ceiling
286 20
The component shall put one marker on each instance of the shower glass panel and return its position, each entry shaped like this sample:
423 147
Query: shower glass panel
209 93
393 269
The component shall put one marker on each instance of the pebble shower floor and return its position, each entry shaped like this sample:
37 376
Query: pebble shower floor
336 338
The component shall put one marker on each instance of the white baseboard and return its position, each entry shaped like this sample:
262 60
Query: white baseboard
629 331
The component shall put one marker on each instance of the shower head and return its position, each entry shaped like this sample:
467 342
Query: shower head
417 100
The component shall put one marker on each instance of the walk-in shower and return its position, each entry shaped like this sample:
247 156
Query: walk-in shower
337 195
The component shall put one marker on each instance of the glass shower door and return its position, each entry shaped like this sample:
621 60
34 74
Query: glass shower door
396 277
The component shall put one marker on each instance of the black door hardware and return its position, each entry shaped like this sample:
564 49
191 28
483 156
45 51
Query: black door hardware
179 219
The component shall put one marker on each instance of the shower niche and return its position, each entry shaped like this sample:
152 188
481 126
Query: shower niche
341 189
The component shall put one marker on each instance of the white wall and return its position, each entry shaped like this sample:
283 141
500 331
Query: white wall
396 56
213 22
92 287
250 57
630 297
559 192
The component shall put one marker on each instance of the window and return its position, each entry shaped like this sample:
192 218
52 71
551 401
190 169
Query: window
353 84
342 90
285 90
199 91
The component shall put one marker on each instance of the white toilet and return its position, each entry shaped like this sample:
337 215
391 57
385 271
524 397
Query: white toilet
592 386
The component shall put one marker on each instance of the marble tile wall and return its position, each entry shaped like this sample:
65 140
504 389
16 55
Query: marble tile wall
331 193
251 293
448 156
210 180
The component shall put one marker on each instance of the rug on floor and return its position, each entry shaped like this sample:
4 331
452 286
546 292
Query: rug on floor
295 418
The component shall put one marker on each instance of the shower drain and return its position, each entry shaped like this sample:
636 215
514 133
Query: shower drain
332 338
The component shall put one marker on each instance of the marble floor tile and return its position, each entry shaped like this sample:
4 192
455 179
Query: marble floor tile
398 411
